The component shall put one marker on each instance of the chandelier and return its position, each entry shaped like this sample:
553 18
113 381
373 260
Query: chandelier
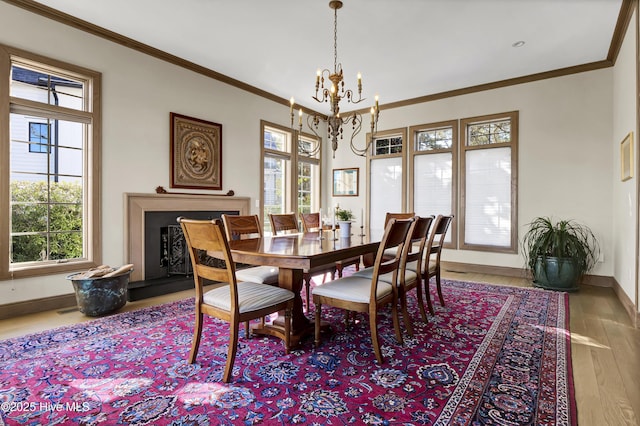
333 91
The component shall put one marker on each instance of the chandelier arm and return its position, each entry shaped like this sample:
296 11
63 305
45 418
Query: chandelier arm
326 95
316 148
356 119
312 122
349 95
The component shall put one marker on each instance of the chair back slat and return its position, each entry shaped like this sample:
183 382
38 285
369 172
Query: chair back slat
241 227
401 216
310 221
283 222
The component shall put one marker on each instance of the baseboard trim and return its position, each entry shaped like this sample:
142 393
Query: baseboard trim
12 310
627 303
504 271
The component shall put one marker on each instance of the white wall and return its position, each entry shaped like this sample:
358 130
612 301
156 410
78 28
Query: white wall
565 156
138 93
625 197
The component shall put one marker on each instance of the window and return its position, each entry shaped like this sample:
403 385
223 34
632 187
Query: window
484 202
388 145
387 187
489 165
308 177
434 171
286 189
39 137
52 203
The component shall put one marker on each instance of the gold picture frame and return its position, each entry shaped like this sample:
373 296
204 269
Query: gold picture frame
626 157
345 182
196 153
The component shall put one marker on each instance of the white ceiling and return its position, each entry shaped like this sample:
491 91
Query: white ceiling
404 48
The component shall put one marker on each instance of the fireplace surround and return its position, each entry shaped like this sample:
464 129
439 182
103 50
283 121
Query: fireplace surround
137 205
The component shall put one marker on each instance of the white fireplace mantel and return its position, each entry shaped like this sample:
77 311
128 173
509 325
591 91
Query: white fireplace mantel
136 205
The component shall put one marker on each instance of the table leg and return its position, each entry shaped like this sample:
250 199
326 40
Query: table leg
301 326
291 279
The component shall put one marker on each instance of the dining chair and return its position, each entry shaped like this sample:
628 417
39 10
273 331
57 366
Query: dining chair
310 223
362 294
410 267
230 300
241 227
288 222
433 254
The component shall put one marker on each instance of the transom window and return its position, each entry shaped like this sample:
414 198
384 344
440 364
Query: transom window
491 132
388 145
434 139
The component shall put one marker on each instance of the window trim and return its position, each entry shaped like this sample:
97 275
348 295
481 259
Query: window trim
371 156
294 157
513 116
414 152
91 173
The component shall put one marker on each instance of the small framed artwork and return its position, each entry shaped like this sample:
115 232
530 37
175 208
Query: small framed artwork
196 153
626 157
345 182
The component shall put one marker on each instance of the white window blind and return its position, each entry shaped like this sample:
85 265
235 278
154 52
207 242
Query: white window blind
488 197
432 183
386 191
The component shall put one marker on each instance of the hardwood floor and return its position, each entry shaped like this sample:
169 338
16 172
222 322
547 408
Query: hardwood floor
605 348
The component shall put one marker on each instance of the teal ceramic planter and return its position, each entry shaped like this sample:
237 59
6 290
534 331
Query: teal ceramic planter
556 273
100 296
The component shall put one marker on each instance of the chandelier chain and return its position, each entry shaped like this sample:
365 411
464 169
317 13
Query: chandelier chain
335 40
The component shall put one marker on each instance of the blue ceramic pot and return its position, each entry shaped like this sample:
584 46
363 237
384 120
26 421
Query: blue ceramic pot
556 273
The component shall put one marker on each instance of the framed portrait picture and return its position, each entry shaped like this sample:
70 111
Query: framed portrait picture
196 153
626 157
345 182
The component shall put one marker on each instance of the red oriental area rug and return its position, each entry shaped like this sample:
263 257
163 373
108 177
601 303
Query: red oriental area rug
492 355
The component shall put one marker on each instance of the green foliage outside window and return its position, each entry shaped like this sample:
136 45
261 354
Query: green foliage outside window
46 221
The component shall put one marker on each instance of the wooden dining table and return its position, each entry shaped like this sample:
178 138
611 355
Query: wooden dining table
293 254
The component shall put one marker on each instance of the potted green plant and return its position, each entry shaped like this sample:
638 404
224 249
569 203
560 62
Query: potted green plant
344 217
559 254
